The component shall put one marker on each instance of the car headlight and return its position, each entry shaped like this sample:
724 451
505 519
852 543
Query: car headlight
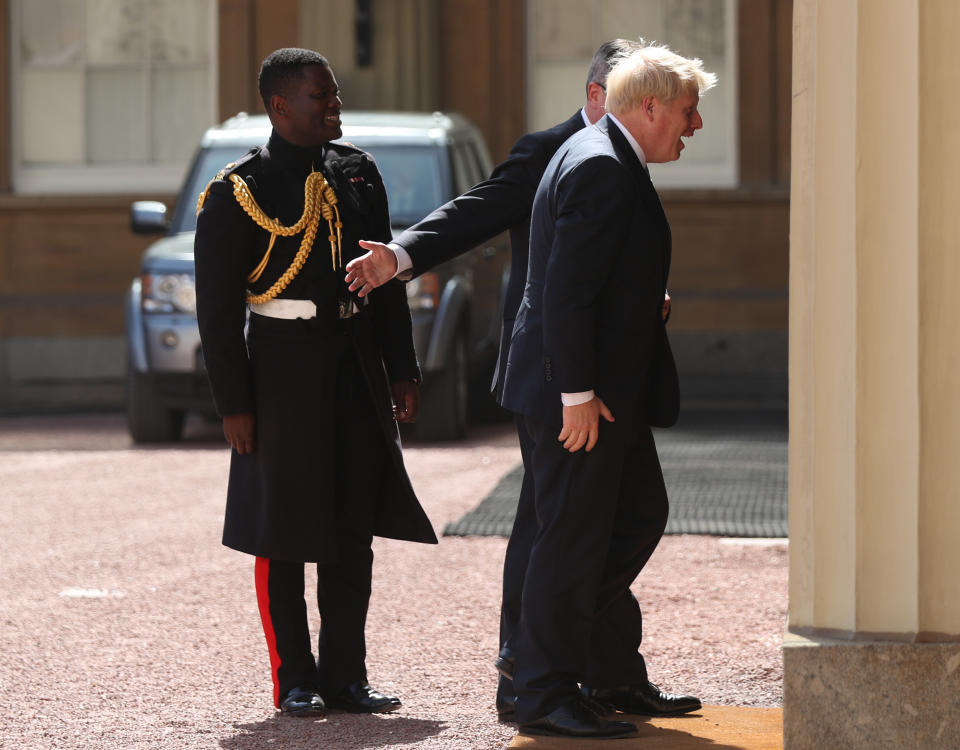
423 292
168 293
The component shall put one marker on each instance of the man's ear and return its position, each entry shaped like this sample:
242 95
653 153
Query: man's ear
594 91
647 106
278 105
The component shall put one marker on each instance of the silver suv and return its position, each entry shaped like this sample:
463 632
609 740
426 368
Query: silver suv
425 159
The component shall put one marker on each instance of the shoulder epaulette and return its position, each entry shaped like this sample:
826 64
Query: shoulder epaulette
255 151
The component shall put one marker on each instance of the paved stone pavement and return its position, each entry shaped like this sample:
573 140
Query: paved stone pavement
125 625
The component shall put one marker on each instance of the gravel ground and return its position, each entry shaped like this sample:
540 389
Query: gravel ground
125 624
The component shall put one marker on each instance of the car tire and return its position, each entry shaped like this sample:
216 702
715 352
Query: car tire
444 406
148 420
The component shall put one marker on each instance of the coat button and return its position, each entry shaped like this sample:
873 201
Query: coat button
549 378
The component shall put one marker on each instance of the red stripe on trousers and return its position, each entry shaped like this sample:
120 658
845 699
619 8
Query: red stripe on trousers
262 574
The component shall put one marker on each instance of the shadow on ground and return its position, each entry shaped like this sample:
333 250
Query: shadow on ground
335 731
712 728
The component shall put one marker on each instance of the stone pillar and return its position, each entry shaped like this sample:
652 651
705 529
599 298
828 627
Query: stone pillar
872 651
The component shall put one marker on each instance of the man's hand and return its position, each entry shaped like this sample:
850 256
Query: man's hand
238 430
581 424
666 306
377 267
406 400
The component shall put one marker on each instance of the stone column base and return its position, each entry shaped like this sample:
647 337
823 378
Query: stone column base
870 694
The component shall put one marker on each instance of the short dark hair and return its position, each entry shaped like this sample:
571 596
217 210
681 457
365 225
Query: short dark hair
282 67
607 56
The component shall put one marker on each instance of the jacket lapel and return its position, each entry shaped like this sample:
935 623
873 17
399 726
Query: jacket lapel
648 193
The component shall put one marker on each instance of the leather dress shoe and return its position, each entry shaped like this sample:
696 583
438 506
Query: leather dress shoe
303 701
506 708
600 708
645 699
504 663
360 698
574 719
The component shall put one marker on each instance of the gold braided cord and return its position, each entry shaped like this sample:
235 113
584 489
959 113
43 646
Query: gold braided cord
257 272
319 201
287 276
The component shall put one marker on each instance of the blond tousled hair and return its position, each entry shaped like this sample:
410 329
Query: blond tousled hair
654 70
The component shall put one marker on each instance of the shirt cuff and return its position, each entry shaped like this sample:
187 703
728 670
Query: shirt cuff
575 399
403 258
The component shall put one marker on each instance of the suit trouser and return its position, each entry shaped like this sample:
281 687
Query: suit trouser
343 586
599 516
518 552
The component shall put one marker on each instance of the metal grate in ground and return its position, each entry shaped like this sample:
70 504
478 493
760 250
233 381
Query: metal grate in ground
725 471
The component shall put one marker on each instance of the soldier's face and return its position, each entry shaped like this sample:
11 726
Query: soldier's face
309 112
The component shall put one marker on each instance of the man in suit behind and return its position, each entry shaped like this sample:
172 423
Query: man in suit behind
587 332
503 202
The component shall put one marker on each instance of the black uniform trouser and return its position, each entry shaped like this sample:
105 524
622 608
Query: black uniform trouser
598 518
343 586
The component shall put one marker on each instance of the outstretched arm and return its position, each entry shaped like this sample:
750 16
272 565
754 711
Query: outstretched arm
493 206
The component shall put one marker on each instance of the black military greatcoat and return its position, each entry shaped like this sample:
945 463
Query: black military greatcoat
281 500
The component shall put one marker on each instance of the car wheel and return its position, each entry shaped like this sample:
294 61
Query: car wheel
148 420
443 408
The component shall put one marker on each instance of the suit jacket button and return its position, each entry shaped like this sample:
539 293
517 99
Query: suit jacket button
549 378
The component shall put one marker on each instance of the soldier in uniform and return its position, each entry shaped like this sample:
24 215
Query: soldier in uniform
310 396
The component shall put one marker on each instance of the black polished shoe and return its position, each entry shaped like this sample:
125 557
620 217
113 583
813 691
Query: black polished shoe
644 699
600 708
574 719
506 708
504 663
303 701
360 698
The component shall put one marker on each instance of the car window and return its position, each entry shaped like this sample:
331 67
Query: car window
412 176
464 171
482 165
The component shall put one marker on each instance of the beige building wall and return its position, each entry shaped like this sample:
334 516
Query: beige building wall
874 382
403 71
563 35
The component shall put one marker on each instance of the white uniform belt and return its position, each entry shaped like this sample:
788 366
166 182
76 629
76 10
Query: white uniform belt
288 309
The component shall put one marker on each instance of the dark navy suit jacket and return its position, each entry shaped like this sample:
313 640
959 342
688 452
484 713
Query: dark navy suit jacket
590 317
497 204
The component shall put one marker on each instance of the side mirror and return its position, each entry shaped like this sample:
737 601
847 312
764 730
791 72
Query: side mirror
148 217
